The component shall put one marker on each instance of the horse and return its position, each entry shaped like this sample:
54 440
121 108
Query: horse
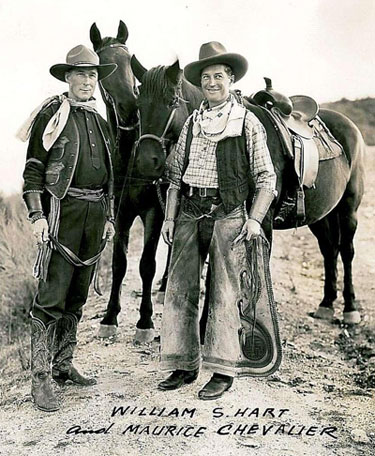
331 210
135 193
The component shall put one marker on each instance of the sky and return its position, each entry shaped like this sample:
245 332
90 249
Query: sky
321 48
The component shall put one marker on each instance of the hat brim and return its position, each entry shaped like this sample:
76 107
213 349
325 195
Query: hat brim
237 62
59 70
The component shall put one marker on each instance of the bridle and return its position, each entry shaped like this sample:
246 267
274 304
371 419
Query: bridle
162 140
108 97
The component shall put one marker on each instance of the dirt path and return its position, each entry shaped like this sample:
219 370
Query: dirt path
320 385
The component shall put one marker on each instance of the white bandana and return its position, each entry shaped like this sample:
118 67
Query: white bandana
57 122
222 121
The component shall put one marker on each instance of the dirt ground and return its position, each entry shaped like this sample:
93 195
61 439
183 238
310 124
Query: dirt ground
320 402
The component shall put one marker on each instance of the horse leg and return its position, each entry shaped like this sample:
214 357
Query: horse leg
152 225
327 231
109 323
348 227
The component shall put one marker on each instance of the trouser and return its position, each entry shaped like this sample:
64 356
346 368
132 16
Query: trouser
196 236
66 288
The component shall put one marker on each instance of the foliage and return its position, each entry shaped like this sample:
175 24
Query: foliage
17 253
361 112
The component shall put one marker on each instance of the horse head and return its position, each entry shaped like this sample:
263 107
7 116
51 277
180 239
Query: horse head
118 89
165 100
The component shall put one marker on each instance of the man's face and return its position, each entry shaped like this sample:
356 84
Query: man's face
215 84
82 83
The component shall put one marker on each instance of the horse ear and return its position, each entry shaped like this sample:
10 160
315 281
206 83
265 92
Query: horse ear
174 72
138 69
122 33
95 36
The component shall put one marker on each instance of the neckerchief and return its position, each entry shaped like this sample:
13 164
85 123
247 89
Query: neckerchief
222 121
57 122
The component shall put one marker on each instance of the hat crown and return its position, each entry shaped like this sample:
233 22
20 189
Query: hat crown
82 55
211 49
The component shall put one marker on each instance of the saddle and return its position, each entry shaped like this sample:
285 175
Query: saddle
303 135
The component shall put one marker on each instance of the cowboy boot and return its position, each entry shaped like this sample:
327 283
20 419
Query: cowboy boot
65 343
41 347
178 378
216 387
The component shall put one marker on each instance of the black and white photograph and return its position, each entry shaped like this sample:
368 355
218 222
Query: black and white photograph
187 228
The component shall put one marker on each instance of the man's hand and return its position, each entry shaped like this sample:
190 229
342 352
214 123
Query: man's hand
109 231
167 231
40 230
250 229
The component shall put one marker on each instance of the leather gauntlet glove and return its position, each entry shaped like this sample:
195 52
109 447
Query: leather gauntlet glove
261 203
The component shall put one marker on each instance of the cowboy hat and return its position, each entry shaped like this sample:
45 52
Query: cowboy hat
82 57
214 53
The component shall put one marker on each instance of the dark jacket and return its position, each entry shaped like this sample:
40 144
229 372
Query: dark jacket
53 170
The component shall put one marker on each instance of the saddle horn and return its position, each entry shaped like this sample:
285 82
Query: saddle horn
269 96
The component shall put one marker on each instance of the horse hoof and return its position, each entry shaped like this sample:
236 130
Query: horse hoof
324 313
106 331
352 318
144 336
160 297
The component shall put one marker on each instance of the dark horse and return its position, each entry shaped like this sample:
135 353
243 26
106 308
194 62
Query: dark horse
331 207
135 191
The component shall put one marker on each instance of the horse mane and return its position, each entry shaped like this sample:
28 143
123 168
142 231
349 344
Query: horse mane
107 41
157 85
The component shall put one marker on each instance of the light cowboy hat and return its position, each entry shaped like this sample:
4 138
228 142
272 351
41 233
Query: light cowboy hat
214 53
82 57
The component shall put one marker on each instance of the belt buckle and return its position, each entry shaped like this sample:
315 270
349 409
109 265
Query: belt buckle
203 192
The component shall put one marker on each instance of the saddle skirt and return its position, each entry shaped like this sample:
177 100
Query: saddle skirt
307 138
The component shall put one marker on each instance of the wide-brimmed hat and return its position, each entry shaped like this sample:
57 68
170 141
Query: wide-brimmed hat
82 57
214 53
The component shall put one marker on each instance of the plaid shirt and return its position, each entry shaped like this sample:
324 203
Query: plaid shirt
202 171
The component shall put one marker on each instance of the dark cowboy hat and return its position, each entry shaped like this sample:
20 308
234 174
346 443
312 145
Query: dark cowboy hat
82 57
214 53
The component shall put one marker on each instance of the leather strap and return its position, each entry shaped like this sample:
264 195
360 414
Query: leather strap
72 258
203 192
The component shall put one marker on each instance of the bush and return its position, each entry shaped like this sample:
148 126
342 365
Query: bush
17 254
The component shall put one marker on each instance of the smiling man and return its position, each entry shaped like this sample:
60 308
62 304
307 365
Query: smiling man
221 149
68 192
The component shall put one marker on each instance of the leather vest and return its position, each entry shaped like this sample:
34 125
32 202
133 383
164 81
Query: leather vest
63 157
232 162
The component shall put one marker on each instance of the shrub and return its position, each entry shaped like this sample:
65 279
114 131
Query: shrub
17 254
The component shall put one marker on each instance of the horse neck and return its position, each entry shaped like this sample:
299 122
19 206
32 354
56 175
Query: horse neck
190 99
192 94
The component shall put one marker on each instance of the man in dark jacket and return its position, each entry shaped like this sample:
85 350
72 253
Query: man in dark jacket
68 190
220 153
